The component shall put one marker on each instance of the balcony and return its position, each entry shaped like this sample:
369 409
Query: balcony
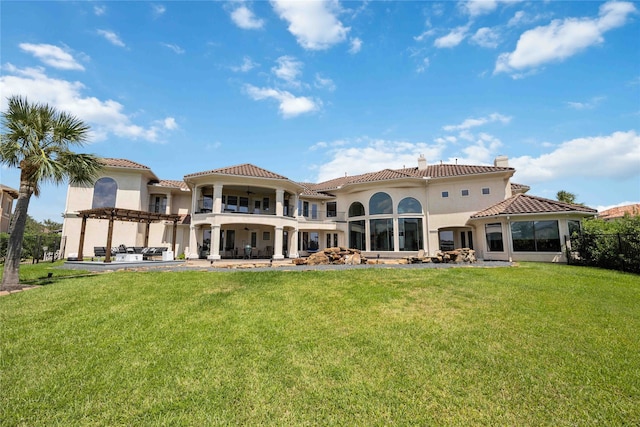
323 216
205 206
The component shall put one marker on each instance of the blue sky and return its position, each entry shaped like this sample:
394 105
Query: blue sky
313 90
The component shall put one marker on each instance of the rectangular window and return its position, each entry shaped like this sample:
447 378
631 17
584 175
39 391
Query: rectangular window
265 204
410 237
574 227
305 209
328 240
381 234
465 193
266 236
535 236
254 239
332 210
494 237
335 240
485 190
232 203
244 204
314 211
159 204
357 235
445 194
314 241
446 240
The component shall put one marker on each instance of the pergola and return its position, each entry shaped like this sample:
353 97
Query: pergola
128 215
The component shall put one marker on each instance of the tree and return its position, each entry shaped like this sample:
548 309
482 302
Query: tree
37 139
566 197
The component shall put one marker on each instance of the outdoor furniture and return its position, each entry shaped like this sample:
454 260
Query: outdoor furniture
151 252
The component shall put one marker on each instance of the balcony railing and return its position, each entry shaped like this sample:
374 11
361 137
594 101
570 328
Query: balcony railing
206 207
323 216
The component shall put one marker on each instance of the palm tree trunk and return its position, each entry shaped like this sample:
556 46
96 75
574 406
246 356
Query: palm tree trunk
10 277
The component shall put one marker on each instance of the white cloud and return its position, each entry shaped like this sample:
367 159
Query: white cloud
288 69
324 83
562 39
424 35
313 23
52 56
99 10
482 7
366 155
247 65
175 48
290 105
518 17
104 117
486 37
111 37
244 18
422 67
471 122
169 123
481 152
453 39
158 10
592 103
356 45
610 156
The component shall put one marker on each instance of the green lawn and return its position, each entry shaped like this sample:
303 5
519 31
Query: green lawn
532 345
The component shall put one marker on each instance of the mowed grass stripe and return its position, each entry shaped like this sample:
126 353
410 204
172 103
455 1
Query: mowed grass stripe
536 344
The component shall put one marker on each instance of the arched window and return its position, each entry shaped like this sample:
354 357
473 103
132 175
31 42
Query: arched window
380 203
356 209
104 193
409 205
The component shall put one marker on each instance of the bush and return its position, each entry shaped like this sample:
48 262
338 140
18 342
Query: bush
610 244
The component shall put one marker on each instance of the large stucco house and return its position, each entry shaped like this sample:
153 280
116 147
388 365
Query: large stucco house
218 213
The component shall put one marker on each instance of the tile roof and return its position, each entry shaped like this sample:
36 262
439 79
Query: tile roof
519 188
620 211
123 163
172 184
446 170
525 204
246 169
9 190
309 190
383 175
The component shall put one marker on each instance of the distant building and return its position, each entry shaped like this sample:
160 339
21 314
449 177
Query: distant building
223 212
7 196
620 211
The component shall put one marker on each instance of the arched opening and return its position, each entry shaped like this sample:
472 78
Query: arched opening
104 193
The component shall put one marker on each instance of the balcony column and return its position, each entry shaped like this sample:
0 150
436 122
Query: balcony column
193 243
280 209
277 245
214 251
293 243
194 200
167 209
217 199
295 206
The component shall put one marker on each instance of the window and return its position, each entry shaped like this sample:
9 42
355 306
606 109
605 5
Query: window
265 203
254 239
409 205
244 204
445 194
485 190
410 234
494 237
356 209
158 203
381 234
335 240
574 227
380 203
446 240
314 241
332 209
357 235
104 193
328 240
465 193
232 203
535 236
314 211
266 236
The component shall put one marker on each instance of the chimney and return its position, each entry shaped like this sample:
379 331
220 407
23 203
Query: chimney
422 163
501 162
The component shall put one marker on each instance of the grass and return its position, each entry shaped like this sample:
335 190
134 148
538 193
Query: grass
534 345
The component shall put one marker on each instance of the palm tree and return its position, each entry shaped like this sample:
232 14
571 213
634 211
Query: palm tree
37 138
566 197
